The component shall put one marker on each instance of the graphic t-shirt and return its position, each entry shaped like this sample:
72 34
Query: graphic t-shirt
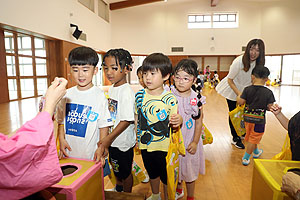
83 113
153 119
257 99
121 107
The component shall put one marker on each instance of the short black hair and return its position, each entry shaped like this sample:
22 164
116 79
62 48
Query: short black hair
83 56
157 61
260 71
187 65
139 70
122 57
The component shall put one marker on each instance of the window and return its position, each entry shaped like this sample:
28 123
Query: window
103 10
291 69
273 63
213 20
88 3
26 65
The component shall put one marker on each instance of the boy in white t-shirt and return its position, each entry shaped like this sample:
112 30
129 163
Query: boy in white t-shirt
83 112
122 138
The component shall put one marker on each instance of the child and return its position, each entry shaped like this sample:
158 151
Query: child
83 110
139 73
215 79
116 65
189 107
154 106
258 99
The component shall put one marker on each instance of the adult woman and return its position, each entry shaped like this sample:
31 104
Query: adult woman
28 159
239 77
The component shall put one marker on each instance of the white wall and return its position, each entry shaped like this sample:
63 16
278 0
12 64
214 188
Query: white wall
52 18
159 26
280 26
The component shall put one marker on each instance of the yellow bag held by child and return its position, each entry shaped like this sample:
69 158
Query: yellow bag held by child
172 161
206 136
237 119
137 174
285 153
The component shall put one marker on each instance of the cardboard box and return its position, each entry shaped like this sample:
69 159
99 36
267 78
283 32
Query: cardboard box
267 179
85 181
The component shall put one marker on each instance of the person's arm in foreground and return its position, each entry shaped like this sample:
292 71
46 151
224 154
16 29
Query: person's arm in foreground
276 110
291 184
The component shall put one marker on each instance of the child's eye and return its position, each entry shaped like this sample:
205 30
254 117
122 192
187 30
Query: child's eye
186 79
75 70
144 73
105 68
115 68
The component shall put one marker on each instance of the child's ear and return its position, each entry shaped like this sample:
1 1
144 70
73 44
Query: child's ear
166 77
95 70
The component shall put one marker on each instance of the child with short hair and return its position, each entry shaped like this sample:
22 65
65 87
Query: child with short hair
190 108
258 100
139 73
154 106
82 112
117 63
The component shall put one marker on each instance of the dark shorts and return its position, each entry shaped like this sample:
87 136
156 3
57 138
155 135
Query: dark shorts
155 164
121 162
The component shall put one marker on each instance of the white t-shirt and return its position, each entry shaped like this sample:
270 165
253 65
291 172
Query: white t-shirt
240 78
83 113
121 106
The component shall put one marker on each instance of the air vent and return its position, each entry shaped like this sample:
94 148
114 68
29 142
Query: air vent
177 49
243 48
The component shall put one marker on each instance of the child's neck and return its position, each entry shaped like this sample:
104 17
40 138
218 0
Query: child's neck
156 91
259 82
186 93
120 82
84 88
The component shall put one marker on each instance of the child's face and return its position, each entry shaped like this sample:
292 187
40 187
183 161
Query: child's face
113 72
83 75
183 81
154 80
140 76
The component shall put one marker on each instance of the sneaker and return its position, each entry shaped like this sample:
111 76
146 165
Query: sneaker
179 195
237 142
112 190
258 154
146 180
245 162
243 136
150 198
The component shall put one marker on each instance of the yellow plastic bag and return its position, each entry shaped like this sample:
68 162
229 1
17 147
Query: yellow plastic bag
206 136
237 119
285 153
178 138
137 174
172 166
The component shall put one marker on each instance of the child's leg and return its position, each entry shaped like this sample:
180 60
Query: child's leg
165 191
128 183
119 185
190 187
250 147
155 185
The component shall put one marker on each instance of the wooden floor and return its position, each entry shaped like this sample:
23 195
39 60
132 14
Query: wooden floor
225 178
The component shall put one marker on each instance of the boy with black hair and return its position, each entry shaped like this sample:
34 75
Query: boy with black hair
83 112
117 63
258 99
154 107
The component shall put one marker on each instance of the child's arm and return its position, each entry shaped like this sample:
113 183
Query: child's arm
98 156
106 142
240 100
176 120
192 148
276 110
62 142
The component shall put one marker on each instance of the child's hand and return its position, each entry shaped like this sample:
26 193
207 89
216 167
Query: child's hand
275 109
99 156
175 120
63 146
192 148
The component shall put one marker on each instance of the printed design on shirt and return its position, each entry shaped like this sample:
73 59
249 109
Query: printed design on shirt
112 107
256 116
189 123
154 120
77 118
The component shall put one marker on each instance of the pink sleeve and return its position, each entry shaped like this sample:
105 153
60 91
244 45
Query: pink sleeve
28 159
